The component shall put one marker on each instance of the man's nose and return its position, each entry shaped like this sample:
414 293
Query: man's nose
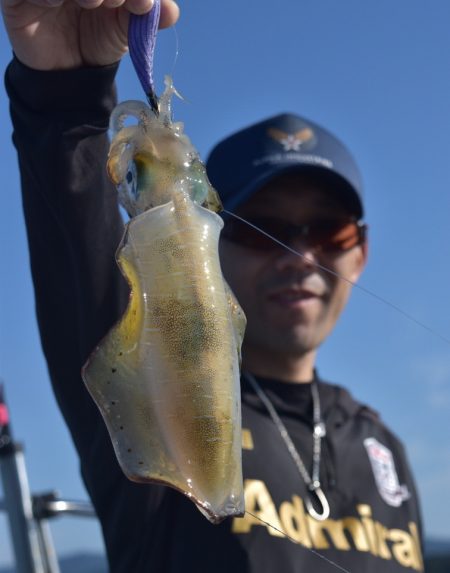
297 254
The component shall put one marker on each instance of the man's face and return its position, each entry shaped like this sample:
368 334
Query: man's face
291 304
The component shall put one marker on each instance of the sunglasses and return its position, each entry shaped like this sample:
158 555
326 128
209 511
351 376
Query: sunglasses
329 236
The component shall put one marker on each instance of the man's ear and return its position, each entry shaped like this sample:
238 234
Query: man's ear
361 256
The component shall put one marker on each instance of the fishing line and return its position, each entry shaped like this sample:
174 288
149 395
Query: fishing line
363 289
177 50
296 543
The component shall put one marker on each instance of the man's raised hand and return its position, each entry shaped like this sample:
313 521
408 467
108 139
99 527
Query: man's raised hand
68 34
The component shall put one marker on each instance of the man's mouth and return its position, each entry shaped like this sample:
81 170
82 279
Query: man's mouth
293 296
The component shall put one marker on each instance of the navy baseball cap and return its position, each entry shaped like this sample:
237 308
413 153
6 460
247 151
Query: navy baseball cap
242 163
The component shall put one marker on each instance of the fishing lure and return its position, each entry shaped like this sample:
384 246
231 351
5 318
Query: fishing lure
166 377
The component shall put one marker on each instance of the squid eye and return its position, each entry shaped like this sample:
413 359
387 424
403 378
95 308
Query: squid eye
131 180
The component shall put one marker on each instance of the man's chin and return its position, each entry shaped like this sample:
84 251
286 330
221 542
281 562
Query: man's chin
289 342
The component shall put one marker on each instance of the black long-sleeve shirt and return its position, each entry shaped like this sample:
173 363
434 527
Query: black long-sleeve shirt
74 227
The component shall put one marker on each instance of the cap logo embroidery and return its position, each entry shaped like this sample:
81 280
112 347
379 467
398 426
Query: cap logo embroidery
386 478
304 138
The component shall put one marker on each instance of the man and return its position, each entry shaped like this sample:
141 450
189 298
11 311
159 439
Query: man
322 474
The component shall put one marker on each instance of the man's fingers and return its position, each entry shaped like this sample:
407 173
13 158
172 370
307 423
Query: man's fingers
170 13
169 8
139 6
113 3
89 4
41 3
10 3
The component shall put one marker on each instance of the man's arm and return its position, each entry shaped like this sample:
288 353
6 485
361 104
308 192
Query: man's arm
73 224
60 110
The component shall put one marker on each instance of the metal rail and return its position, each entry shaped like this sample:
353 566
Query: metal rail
29 515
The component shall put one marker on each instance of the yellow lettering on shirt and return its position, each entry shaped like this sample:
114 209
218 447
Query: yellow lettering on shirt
332 532
361 533
365 511
247 439
260 510
293 519
403 548
382 534
416 538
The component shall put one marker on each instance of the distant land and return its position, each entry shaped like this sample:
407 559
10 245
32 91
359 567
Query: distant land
437 547
437 560
437 556
85 563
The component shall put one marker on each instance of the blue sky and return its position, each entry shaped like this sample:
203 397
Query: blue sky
375 73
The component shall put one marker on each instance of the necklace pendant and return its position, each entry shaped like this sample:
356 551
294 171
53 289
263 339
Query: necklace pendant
316 490
319 430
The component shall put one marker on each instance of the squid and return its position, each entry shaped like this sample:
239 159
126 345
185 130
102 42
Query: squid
166 378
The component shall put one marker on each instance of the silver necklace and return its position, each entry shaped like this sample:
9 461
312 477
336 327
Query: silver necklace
312 482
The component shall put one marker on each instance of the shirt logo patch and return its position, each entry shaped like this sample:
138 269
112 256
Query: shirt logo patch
386 478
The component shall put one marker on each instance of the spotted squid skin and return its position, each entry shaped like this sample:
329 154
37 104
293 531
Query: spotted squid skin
166 377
